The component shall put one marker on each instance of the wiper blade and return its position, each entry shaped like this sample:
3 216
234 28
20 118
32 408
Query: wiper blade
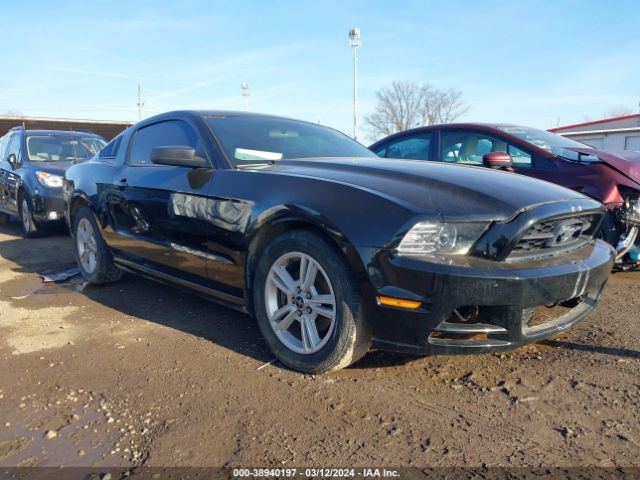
242 166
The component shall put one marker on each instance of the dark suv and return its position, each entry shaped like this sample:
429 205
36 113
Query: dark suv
611 178
32 166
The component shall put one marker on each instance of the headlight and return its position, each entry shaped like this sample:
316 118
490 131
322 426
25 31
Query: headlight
439 238
49 180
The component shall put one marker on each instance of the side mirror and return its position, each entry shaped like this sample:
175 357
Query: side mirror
498 160
177 156
13 160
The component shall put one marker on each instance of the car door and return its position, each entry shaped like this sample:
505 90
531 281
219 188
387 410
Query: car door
4 168
10 174
159 212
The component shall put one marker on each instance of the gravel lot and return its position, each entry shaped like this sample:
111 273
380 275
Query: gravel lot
139 373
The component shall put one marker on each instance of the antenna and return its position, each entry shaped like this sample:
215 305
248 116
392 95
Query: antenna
140 103
246 94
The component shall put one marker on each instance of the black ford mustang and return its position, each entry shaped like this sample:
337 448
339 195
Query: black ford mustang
331 250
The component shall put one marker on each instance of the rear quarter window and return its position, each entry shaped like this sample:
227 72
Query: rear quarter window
110 150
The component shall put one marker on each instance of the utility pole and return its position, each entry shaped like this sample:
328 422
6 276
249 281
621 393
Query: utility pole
246 94
354 36
140 103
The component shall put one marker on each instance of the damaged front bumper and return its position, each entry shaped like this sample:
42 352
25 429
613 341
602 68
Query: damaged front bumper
48 205
480 305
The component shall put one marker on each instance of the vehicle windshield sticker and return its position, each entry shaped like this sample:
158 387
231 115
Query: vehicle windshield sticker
246 154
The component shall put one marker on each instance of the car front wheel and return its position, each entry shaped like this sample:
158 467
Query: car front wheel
92 254
30 228
308 306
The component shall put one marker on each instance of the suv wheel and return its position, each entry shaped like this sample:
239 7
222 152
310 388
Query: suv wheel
92 254
30 228
308 306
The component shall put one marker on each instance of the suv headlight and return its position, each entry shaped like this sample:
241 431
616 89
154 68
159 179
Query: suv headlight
441 238
49 180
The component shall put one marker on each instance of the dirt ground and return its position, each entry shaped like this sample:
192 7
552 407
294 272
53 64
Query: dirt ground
139 373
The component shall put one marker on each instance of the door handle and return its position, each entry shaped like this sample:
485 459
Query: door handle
121 184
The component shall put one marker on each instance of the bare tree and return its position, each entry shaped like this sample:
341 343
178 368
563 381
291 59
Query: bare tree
399 107
443 106
13 113
403 105
618 111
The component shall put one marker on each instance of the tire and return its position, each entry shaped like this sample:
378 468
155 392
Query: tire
30 228
309 341
92 254
4 218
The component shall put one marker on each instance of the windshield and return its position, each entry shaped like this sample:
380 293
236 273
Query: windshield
259 140
58 148
556 144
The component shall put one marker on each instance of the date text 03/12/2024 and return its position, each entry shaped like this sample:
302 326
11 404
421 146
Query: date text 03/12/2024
315 472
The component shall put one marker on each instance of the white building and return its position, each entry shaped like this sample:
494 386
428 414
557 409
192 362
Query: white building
619 133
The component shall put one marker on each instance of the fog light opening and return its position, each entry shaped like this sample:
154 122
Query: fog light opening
53 216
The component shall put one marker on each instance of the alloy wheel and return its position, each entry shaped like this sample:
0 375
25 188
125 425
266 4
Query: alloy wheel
26 215
300 302
87 245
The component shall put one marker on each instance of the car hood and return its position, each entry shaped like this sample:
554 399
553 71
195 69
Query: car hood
625 161
55 168
452 191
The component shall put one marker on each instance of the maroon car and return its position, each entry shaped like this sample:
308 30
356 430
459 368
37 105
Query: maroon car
612 178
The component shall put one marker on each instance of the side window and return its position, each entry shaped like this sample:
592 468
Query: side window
3 144
170 132
521 159
468 147
459 147
14 146
381 151
411 148
110 150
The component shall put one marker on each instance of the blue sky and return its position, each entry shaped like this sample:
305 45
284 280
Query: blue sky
526 61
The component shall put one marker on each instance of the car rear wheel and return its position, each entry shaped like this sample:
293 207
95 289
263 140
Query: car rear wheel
92 254
30 228
308 306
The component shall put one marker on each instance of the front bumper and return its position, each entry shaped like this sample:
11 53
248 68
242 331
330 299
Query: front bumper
503 295
47 205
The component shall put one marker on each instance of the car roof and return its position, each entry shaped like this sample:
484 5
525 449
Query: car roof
61 132
221 113
477 125
483 125
207 113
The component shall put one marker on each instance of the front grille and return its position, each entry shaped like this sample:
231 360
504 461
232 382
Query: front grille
558 234
632 212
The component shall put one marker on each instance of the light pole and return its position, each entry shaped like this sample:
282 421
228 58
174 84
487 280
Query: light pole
246 94
140 103
354 36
